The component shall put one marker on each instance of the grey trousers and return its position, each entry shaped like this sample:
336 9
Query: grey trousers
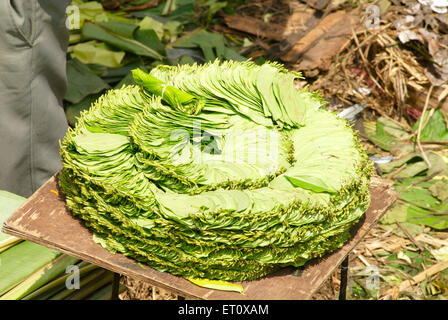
33 44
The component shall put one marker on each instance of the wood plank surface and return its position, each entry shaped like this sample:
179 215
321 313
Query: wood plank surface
45 220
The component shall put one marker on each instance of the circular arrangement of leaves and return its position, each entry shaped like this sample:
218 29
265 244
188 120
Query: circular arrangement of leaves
221 171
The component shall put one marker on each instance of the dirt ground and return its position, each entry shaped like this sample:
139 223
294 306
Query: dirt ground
140 290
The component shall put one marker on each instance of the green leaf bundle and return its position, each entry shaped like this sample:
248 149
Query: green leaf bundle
222 171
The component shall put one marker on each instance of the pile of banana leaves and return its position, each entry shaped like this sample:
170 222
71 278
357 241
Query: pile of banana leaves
31 272
218 171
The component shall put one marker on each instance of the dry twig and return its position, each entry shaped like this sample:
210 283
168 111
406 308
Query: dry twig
418 278
419 131
410 237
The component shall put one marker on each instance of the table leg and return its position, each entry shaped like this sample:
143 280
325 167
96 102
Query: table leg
115 287
344 272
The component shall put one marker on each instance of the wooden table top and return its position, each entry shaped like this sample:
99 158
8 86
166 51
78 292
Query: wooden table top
45 220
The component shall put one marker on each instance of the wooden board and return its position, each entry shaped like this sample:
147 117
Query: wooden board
44 219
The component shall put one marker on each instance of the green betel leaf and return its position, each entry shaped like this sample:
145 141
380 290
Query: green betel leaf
178 99
73 111
91 11
92 52
424 208
217 285
213 45
397 213
395 164
99 142
428 217
148 23
314 184
121 40
122 29
82 82
386 134
149 38
440 190
436 128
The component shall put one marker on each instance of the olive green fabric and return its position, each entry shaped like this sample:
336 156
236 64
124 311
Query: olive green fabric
33 43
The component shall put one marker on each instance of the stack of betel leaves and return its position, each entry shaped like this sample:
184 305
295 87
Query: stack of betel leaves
221 171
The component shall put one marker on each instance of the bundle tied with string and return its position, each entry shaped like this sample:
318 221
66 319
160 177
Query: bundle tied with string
179 100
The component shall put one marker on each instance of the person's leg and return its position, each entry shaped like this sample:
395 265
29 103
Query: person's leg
33 43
